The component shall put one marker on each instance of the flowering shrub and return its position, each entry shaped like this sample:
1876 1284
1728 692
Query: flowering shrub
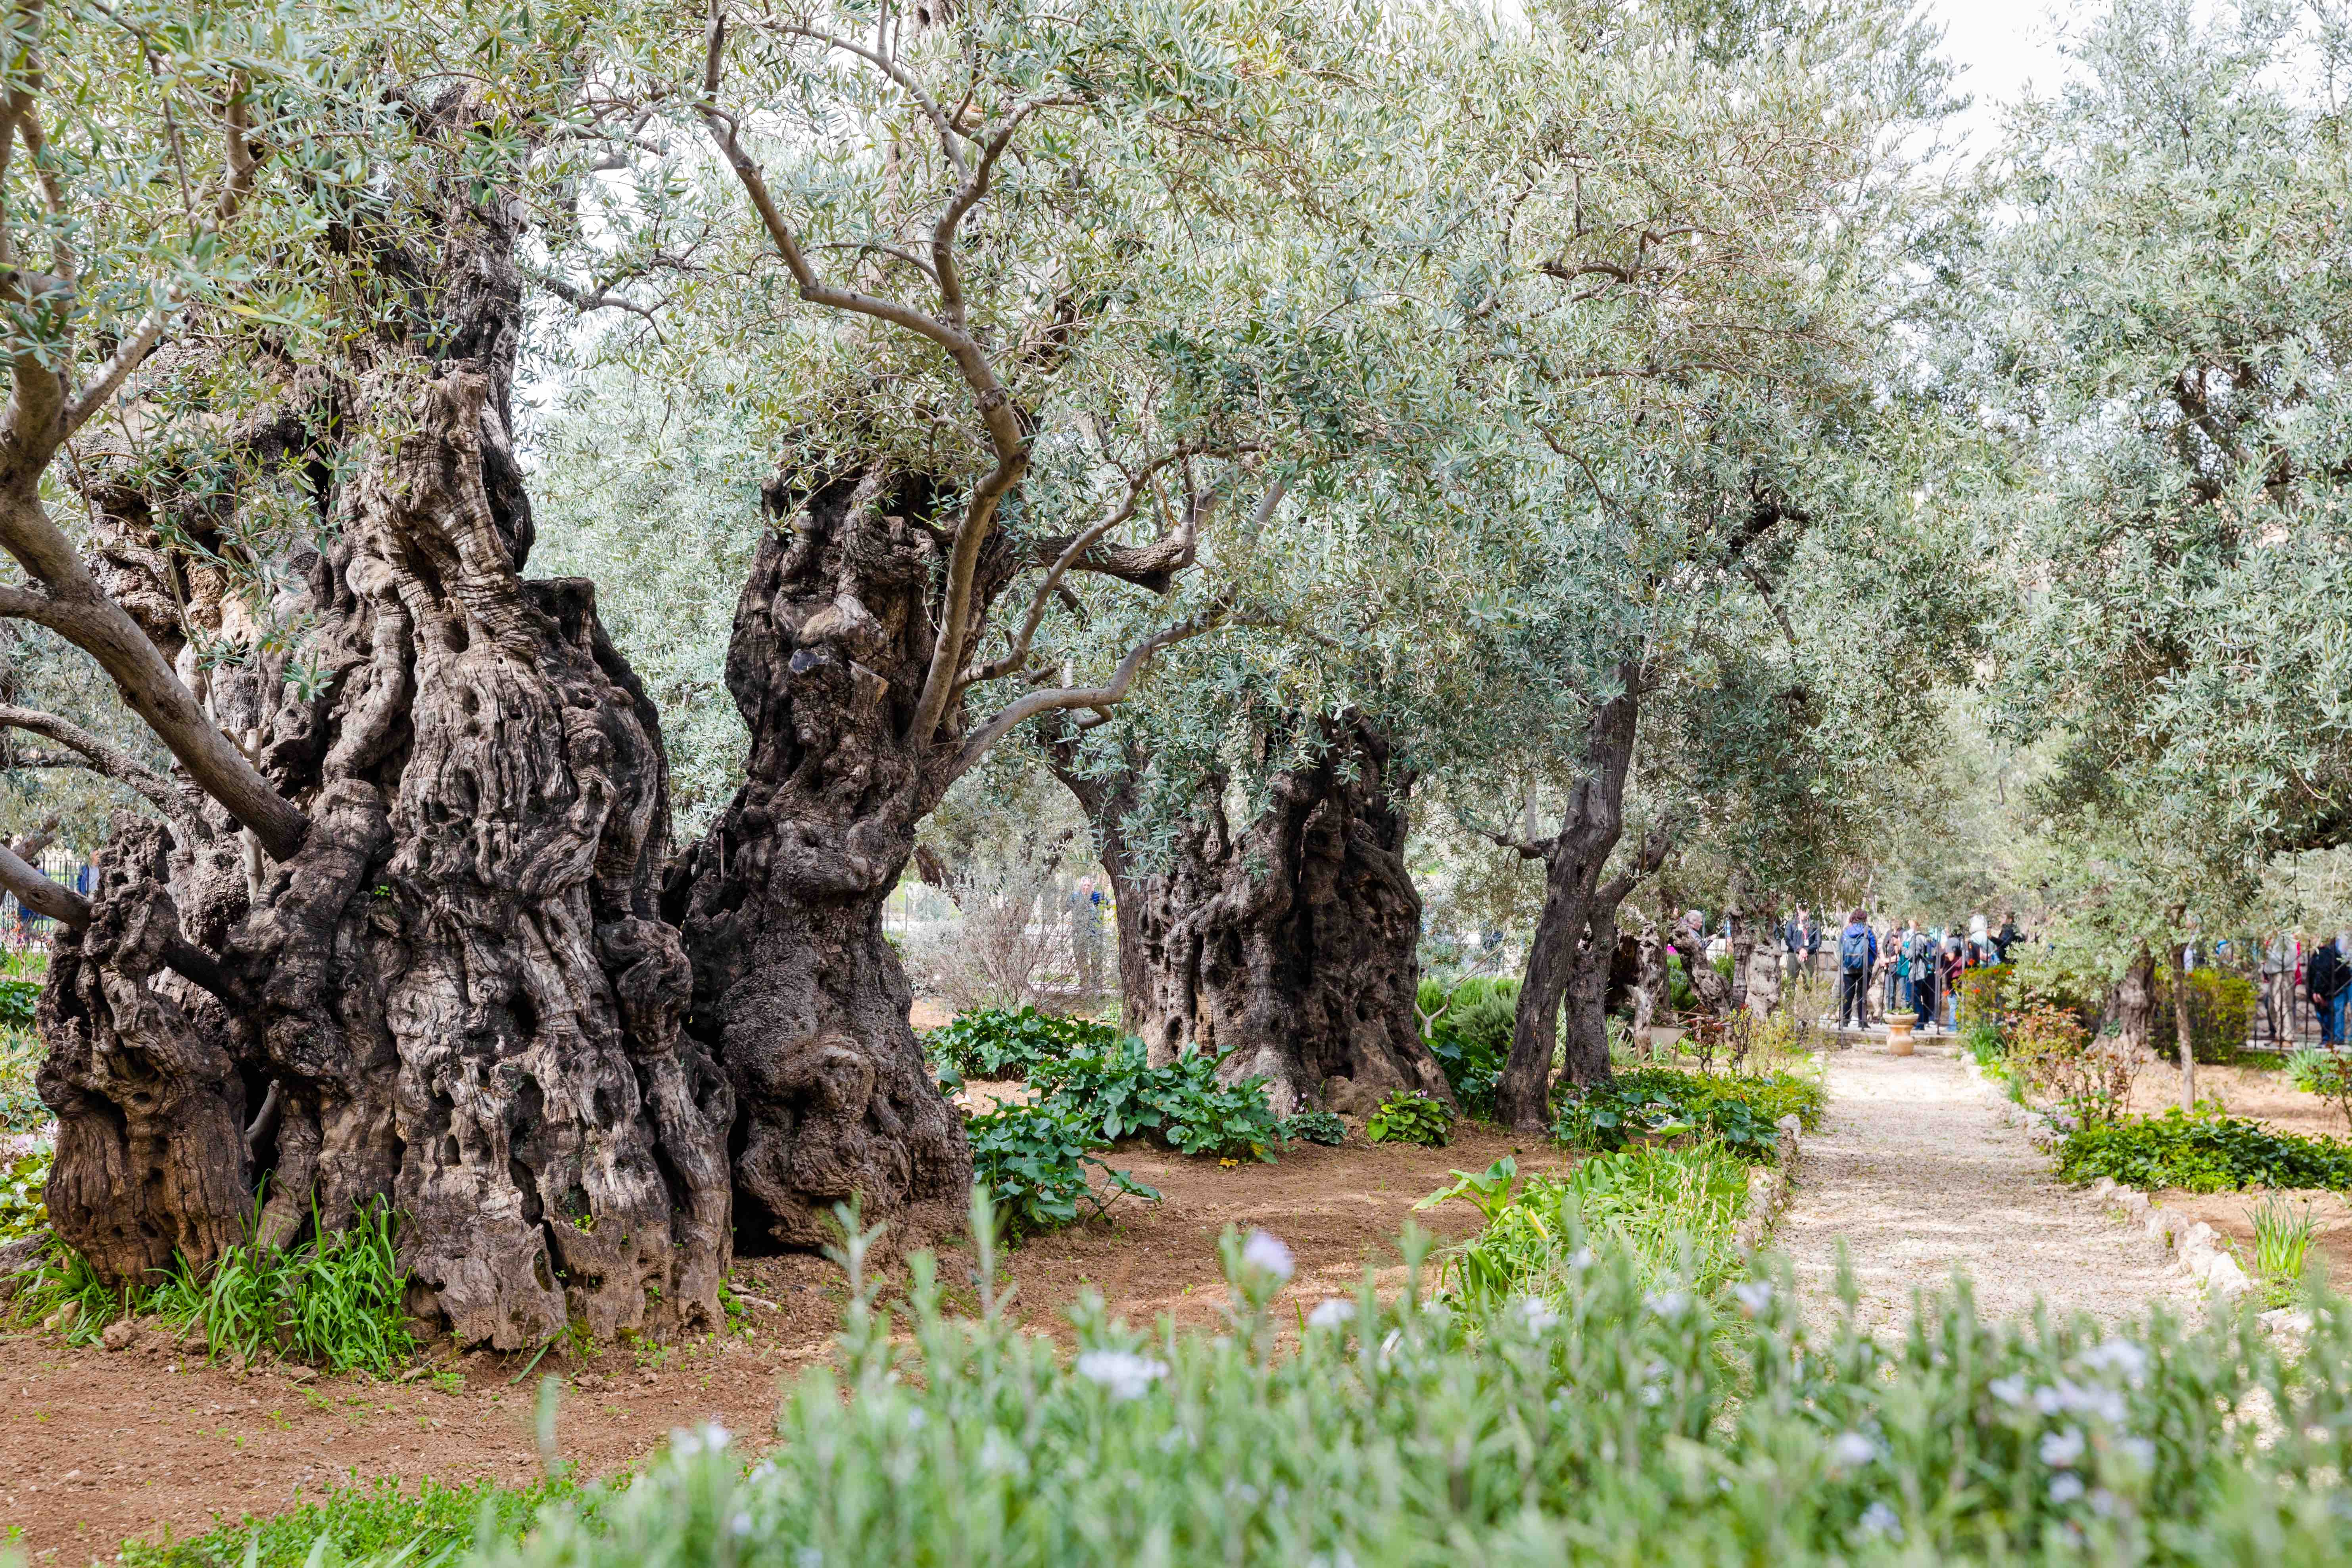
1618 1423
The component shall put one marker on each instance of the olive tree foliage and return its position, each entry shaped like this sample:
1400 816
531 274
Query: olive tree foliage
2156 316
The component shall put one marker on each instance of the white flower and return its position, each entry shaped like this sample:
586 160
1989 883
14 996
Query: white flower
2139 1450
1125 1374
1852 1450
1534 1315
2118 1355
762 1471
1879 1520
2009 1390
2060 1450
1330 1314
740 1525
710 1438
1754 1297
2077 1400
2066 1488
1265 1252
1667 1304
808 1557
915 1420
1581 1258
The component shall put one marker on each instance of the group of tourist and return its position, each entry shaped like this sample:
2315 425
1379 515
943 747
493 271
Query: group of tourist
1912 968
2292 968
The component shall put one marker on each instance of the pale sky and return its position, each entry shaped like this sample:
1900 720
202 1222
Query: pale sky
2000 45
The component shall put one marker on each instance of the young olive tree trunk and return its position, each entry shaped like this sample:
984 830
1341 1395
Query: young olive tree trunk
2180 1021
452 994
1576 931
2136 1000
1287 947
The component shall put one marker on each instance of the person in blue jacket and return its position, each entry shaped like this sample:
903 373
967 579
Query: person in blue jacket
1857 955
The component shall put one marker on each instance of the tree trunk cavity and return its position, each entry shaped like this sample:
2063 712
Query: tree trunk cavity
795 990
1288 947
459 988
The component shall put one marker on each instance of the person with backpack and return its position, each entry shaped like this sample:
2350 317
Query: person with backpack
1857 951
2329 975
1924 952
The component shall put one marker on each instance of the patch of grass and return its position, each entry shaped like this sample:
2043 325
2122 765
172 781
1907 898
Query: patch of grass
335 1303
2282 1233
372 1523
2204 1154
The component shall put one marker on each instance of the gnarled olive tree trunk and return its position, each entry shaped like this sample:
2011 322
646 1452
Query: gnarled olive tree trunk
458 996
1287 947
781 903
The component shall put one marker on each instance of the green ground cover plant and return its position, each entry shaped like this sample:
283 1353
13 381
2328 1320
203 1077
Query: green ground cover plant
1618 1423
1406 1117
2209 1152
2282 1233
1115 1093
1037 1163
2327 1074
994 1042
1739 1112
22 1182
1313 1127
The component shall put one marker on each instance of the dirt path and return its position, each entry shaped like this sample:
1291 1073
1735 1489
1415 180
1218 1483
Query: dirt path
1917 1169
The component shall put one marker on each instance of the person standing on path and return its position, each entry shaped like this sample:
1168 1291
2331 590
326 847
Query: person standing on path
1797 938
2330 974
1924 952
2278 987
1857 952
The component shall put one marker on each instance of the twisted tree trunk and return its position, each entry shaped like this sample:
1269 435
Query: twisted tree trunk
1289 947
456 997
781 903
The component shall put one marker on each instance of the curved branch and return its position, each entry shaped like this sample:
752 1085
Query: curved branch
98 756
39 894
1063 698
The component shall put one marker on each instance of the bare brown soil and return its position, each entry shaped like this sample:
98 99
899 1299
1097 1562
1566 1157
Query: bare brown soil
96 1446
2263 1093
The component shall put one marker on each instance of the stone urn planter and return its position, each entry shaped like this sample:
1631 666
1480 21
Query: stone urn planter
1898 1033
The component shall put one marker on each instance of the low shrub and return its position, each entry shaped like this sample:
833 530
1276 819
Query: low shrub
2051 1053
2205 1153
1312 1127
1983 995
1035 1163
1115 1093
993 1042
1405 1117
1618 1423
1740 1113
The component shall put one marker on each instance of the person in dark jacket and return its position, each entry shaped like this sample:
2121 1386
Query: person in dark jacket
1857 954
2328 973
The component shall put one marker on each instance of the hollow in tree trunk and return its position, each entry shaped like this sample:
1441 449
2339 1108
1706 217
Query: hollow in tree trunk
456 997
1287 947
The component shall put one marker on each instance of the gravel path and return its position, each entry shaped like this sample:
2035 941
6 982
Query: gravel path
1922 1171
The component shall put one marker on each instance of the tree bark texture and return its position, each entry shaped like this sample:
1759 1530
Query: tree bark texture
1287 947
1573 918
2136 1000
457 996
2181 1022
781 903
